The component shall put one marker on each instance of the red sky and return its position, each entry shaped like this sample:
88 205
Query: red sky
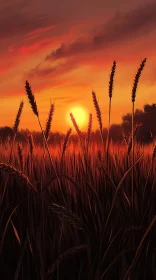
66 48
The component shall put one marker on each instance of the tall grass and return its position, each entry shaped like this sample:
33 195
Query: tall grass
35 110
72 219
89 131
134 89
49 121
111 82
99 116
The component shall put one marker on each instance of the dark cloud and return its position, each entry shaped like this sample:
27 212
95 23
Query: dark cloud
69 50
20 16
121 27
53 71
130 25
37 72
124 26
15 24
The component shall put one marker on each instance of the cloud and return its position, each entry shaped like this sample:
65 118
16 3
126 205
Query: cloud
69 99
74 99
128 26
53 71
19 24
37 72
22 17
131 26
35 30
25 16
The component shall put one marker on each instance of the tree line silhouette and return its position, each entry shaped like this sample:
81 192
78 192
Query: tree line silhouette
144 120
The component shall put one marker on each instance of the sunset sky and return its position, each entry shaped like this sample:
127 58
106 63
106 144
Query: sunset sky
66 48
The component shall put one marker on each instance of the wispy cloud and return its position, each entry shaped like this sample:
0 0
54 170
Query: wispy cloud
53 71
128 26
32 31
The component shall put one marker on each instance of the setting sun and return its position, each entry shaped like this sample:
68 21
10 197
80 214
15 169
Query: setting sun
79 114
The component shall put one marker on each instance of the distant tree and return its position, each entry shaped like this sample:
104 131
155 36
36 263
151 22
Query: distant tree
150 119
116 133
5 133
146 119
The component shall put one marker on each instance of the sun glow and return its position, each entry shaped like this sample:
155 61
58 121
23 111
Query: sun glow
79 114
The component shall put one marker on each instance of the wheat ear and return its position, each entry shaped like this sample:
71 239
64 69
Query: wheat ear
18 116
12 171
66 255
77 130
134 89
35 110
65 143
111 82
20 155
98 113
31 98
70 216
49 121
15 127
31 144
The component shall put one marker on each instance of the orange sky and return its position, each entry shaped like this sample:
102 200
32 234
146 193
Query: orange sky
66 48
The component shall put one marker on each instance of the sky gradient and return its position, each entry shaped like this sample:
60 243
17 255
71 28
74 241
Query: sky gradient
67 48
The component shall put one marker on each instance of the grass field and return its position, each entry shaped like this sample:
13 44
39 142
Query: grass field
78 212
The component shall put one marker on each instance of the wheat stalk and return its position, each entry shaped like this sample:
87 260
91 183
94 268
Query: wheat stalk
77 130
89 130
75 125
35 110
69 216
15 127
17 120
134 89
80 137
136 80
65 255
49 120
98 113
20 155
31 151
130 141
65 143
154 153
124 137
12 171
137 253
150 170
111 82
31 98
31 144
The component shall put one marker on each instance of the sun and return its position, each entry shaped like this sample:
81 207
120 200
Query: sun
79 114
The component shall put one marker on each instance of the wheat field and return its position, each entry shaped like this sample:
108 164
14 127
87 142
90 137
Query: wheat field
78 211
